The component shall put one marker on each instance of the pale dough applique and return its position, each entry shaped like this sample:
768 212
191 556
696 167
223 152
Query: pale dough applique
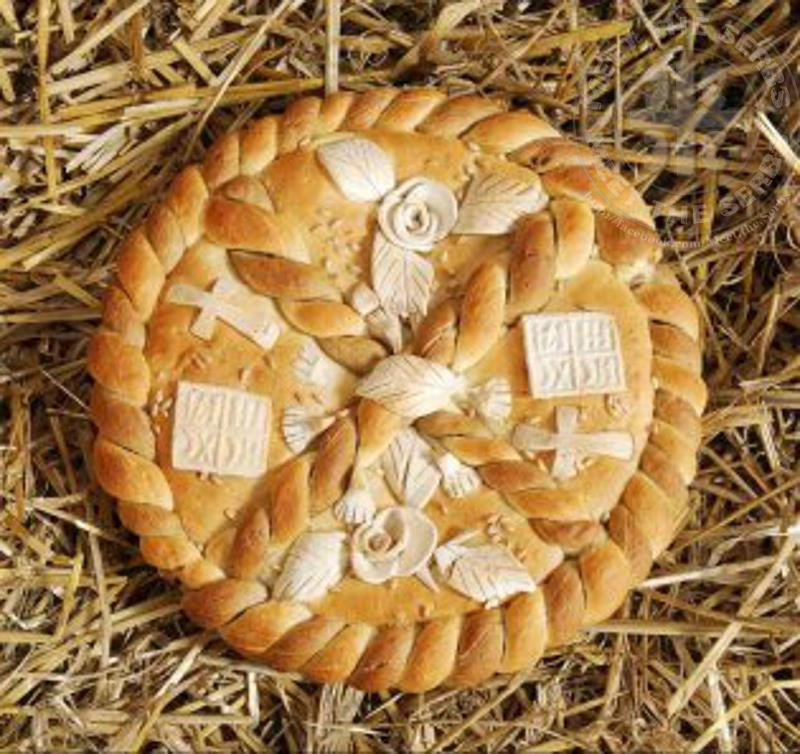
486 573
219 303
491 400
412 217
307 365
299 426
410 385
409 469
572 354
458 479
571 446
381 324
398 542
315 564
494 202
361 170
219 430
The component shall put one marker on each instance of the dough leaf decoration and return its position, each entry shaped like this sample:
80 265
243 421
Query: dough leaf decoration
401 279
315 564
486 573
362 171
409 469
494 202
410 385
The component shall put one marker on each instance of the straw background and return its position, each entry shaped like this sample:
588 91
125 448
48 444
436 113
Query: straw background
101 101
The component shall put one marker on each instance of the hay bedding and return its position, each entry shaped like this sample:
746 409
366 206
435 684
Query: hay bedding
100 102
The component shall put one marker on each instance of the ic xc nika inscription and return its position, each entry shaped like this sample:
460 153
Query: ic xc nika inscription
573 354
218 430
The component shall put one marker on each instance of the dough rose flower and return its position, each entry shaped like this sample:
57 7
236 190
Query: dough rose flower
418 214
397 542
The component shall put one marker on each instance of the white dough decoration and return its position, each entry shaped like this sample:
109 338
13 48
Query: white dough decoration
494 202
362 170
315 564
412 217
355 507
398 542
491 400
300 427
409 469
418 214
572 354
410 385
403 281
458 479
307 365
218 303
485 573
220 430
571 447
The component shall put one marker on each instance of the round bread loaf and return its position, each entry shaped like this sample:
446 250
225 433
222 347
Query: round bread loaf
395 386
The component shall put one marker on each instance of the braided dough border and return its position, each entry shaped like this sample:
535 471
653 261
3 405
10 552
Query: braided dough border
219 198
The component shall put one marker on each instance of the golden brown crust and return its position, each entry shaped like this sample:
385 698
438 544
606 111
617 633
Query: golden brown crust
625 241
354 352
283 278
480 648
505 132
436 336
565 600
337 450
482 312
432 658
122 423
532 267
323 319
291 500
226 202
384 659
525 632
556 152
575 231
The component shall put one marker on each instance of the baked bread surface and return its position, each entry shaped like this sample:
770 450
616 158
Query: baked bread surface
395 385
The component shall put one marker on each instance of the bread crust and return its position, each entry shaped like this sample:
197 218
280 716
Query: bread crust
227 201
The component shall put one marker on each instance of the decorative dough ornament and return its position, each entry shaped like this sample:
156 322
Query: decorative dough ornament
573 354
220 431
571 446
432 364
315 563
217 304
485 573
397 542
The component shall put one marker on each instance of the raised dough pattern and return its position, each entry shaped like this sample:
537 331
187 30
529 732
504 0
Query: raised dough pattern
573 354
219 430
494 202
409 469
486 573
360 168
410 385
314 565
217 304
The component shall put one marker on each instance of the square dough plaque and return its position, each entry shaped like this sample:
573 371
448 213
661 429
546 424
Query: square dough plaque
572 354
219 430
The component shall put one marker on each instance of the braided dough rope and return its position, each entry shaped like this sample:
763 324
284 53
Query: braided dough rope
225 202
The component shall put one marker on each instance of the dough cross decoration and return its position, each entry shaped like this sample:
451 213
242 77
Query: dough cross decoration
213 306
571 446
